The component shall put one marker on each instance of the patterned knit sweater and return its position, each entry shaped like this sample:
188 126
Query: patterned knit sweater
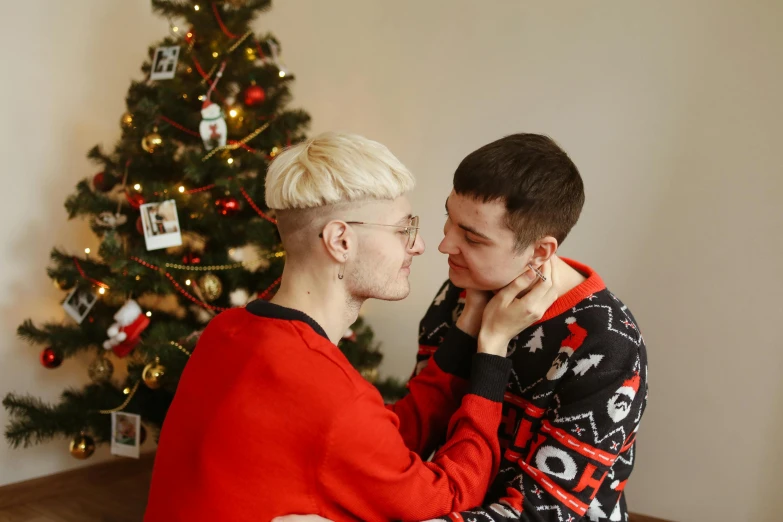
571 411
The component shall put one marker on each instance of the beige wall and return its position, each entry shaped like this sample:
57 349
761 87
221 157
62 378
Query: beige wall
670 109
67 67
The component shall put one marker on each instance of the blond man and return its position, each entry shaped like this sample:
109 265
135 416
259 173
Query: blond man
271 419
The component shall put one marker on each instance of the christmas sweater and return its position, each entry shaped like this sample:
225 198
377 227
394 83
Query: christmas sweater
571 410
270 419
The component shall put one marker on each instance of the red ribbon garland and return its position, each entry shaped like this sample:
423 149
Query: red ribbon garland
81 271
220 22
178 287
206 77
181 290
256 207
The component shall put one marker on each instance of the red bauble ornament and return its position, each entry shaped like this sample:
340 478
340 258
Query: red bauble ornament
191 259
99 182
135 199
227 206
254 95
50 359
139 225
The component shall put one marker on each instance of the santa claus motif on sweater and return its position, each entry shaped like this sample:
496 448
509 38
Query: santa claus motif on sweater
570 344
620 403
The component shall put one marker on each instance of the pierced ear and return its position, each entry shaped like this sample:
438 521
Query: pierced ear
338 239
543 250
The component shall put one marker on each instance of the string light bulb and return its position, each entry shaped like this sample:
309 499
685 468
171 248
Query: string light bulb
233 113
215 54
126 391
196 7
201 97
175 28
87 251
149 314
137 186
187 282
230 161
181 189
101 290
282 73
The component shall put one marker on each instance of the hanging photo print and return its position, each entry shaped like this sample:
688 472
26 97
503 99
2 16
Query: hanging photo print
164 64
79 302
125 434
161 224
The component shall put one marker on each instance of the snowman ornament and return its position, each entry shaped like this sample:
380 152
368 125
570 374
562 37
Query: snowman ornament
213 125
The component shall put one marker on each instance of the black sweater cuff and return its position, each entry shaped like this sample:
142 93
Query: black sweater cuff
489 376
455 353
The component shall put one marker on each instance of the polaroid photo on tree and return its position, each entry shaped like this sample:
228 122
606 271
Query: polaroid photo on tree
164 64
79 302
125 434
161 224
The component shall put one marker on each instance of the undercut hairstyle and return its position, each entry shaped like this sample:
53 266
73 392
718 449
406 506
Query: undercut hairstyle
310 182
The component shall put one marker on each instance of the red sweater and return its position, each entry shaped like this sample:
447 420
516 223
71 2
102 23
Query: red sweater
271 419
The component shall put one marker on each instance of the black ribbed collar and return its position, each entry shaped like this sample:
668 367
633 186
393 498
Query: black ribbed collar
264 308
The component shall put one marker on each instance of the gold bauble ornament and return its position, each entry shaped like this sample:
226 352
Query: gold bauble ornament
370 374
151 142
153 374
62 284
82 446
211 286
126 122
101 369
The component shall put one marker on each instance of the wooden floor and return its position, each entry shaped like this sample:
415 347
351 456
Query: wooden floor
114 491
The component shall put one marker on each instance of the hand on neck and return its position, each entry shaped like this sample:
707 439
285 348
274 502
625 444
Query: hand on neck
321 295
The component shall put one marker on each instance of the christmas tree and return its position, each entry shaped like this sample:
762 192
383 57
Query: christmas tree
178 209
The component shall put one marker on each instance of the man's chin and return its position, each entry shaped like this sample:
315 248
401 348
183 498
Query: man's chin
395 294
458 278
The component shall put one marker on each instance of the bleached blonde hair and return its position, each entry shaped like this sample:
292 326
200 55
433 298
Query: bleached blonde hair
334 168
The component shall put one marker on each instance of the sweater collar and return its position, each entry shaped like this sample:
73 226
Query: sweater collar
264 308
585 289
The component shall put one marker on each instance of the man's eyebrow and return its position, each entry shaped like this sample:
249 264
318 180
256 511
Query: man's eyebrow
404 220
467 228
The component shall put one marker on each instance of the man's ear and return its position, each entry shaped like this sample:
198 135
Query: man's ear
338 240
543 250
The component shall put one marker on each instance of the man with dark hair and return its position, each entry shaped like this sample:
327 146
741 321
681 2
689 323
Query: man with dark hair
572 407
578 383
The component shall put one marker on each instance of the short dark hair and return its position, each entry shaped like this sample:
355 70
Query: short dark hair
539 184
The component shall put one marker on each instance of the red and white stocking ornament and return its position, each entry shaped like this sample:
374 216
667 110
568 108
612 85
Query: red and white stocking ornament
125 333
